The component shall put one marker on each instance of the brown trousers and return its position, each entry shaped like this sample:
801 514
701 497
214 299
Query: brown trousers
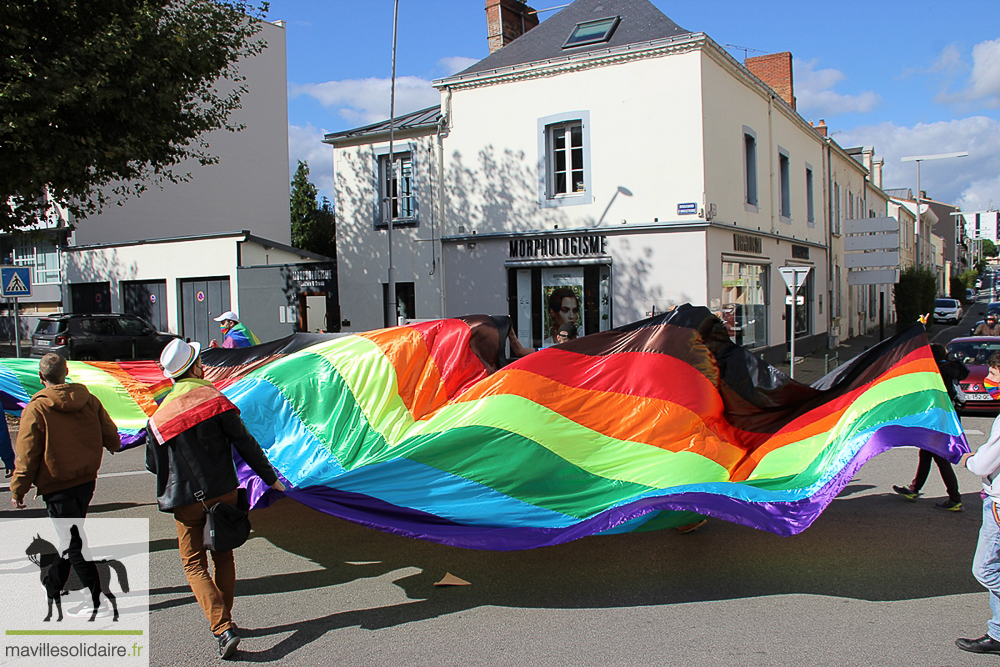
215 596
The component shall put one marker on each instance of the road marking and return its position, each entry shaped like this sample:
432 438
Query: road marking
972 431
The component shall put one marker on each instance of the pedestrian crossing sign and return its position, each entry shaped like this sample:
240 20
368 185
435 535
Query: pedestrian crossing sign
15 281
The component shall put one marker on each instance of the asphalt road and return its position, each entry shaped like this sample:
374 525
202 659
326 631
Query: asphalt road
877 580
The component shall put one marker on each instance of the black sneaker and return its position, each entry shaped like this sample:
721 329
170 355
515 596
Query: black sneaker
906 492
228 641
984 644
949 505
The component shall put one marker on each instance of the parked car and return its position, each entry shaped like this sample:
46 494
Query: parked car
947 310
970 295
98 337
975 352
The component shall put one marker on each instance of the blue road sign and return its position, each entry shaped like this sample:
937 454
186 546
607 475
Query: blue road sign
15 281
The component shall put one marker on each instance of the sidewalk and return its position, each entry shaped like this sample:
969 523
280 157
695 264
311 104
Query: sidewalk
815 365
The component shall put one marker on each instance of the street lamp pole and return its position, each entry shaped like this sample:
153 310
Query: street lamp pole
392 182
918 159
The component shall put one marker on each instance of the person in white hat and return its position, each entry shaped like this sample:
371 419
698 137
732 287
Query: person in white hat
193 432
236 334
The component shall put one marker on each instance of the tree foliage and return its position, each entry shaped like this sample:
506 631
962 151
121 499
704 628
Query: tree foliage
989 248
914 296
102 98
313 225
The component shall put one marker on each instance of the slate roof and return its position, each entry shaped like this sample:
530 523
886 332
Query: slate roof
424 118
640 22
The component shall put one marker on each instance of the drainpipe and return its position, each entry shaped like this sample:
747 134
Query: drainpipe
442 126
770 155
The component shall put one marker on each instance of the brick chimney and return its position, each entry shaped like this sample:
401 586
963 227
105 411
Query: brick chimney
506 20
775 70
821 128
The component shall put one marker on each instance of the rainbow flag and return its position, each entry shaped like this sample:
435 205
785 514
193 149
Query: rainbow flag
423 430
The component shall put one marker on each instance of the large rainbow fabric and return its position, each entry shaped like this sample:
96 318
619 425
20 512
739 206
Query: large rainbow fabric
413 429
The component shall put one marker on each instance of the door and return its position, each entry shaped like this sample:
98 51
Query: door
146 299
202 300
90 297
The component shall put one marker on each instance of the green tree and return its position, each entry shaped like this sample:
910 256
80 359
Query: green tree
102 98
989 248
313 225
914 296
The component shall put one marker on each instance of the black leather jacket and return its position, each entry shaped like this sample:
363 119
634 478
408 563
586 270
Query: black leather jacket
207 447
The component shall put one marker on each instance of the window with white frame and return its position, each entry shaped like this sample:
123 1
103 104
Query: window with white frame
750 166
396 192
785 184
564 159
43 259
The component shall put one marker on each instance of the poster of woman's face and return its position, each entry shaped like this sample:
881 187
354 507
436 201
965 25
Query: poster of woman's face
563 305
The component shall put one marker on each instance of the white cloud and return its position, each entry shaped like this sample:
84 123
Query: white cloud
814 92
456 64
983 85
306 144
366 101
971 182
950 60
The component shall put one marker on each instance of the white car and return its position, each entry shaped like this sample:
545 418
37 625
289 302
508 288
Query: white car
947 310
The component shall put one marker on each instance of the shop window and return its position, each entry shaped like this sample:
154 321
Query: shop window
803 311
744 302
564 165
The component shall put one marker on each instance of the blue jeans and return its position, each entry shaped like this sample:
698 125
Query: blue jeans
986 564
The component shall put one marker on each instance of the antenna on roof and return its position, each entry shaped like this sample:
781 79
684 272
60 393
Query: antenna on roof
744 49
549 9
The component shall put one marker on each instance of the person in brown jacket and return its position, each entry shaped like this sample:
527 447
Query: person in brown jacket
63 434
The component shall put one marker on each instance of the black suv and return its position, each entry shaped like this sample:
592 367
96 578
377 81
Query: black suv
98 337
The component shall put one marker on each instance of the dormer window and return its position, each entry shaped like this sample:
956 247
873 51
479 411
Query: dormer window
592 32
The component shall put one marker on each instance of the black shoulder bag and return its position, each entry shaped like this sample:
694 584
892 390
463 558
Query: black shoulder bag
226 526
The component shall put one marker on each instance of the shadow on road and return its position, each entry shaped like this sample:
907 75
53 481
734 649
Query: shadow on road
868 547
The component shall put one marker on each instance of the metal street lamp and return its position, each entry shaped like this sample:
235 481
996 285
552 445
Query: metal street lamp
918 159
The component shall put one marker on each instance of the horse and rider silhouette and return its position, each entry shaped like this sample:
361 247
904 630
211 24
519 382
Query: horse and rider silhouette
93 575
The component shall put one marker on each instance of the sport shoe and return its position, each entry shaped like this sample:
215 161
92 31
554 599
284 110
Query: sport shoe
949 505
906 492
228 641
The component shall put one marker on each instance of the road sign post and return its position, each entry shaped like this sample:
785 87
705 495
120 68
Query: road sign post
794 277
15 281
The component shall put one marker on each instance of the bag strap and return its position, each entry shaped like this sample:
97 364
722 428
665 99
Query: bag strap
199 494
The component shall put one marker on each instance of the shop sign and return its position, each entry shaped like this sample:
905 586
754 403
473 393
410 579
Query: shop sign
747 243
562 246
312 277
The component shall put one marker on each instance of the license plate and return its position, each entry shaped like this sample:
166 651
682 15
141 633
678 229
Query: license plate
969 396
44 343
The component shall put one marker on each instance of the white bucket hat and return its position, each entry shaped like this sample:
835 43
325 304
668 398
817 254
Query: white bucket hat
228 315
178 356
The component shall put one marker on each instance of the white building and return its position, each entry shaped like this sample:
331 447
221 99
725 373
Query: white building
216 236
607 152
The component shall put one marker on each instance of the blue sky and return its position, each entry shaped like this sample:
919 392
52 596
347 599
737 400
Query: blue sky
909 78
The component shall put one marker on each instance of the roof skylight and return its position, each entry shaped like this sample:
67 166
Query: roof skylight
592 32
